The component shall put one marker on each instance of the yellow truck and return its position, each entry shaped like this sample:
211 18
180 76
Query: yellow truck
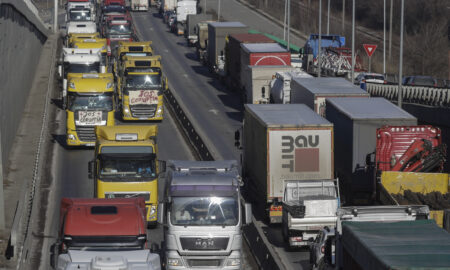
140 87
74 37
409 188
90 103
131 48
94 43
125 165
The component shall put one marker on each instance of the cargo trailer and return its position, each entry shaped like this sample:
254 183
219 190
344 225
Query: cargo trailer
217 33
283 142
264 54
256 82
233 55
314 91
356 121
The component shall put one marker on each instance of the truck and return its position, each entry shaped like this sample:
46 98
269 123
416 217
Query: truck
280 86
355 122
95 43
167 5
184 8
141 87
77 27
311 49
203 213
78 61
191 21
314 91
127 48
118 30
125 165
90 103
335 248
233 55
90 225
137 5
217 33
80 12
282 142
130 260
72 38
256 80
308 206
201 30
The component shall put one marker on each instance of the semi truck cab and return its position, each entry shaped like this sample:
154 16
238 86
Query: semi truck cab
127 48
94 43
125 165
90 103
118 30
203 214
79 61
141 86
76 37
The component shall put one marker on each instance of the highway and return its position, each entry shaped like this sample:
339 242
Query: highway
215 110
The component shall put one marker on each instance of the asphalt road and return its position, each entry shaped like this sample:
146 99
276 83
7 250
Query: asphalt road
216 111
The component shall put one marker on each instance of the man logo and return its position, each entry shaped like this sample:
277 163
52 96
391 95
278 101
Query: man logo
301 153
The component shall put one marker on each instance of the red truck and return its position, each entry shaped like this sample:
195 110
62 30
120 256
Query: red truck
101 223
118 30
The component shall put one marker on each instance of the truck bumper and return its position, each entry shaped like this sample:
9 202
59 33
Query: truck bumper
304 240
72 140
174 261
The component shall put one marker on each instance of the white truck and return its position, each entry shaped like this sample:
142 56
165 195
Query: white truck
77 27
104 260
203 213
280 86
138 5
80 11
184 8
308 207
283 143
79 61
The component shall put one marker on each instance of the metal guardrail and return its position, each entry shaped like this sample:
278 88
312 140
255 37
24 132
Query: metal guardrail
431 96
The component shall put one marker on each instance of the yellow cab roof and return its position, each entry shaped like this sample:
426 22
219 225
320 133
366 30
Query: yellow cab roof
91 82
144 44
83 35
155 60
106 135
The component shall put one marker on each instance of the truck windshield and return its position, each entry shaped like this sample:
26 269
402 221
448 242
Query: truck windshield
82 68
201 211
78 102
119 29
143 81
80 15
116 166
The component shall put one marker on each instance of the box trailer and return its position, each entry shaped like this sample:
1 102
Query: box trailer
256 82
314 91
264 54
356 121
233 54
217 33
283 142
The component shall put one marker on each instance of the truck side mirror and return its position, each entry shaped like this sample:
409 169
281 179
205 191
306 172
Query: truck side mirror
60 70
102 69
160 218
237 138
162 165
263 92
248 213
53 255
91 165
370 159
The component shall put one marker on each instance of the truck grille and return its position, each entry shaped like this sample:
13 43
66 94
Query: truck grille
86 133
197 243
203 262
111 195
143 111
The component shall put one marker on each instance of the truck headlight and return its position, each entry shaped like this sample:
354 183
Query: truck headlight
126 111
159 111
173 262
234 262
71 137
152 210
72 85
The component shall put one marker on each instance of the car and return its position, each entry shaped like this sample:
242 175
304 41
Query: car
370 78
426 81
319 247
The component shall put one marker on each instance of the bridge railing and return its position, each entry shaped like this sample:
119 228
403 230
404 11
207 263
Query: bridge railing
431 96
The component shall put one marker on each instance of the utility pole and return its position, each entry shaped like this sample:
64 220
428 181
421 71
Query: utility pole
343 17
319 51
400 64
218 12
384 37
55 16
2 198
204 11
285 20
391 12
328 18
289 26
353 44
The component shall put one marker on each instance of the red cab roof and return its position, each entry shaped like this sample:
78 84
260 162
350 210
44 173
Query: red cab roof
103 217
